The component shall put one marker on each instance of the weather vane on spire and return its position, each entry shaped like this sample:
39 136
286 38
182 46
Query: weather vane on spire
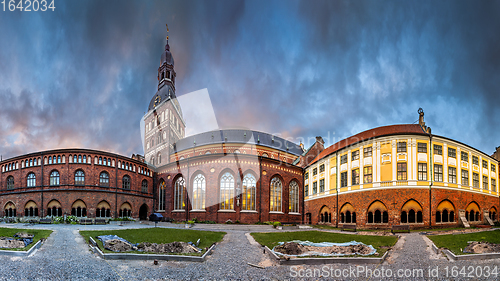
167 32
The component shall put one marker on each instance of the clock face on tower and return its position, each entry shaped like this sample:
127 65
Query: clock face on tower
157 100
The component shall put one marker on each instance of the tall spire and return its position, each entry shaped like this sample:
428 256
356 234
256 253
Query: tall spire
167 32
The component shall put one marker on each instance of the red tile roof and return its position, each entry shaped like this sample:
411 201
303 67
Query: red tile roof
410 129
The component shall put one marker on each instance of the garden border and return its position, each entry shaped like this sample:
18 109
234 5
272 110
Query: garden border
124 256
22 253
451 256
318 261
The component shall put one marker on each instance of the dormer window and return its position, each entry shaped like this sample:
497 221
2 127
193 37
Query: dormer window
168 75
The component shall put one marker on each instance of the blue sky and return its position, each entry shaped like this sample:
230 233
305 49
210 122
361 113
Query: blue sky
83 75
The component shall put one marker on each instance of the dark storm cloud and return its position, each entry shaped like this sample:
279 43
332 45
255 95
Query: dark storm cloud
82 76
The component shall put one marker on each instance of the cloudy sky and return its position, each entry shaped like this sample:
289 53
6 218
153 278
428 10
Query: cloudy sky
83 75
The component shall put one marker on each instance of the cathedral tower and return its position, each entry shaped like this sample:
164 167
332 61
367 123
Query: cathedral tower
164 123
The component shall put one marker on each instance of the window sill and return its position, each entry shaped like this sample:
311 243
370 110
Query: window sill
248 211
274 212
198 211
292 213
226 211
178 211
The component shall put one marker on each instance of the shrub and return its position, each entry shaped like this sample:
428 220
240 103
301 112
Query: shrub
229 222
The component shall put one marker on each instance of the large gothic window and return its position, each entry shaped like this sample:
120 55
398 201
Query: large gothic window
179 198
104 179
248 193
144 187
54 178
199 186
276 187
294 197
31 180
227 192
79 178
161 196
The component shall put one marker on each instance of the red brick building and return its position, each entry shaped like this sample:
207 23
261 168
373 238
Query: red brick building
81 182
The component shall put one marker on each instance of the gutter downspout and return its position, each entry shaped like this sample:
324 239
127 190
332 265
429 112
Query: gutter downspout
337 188
41 187
431 178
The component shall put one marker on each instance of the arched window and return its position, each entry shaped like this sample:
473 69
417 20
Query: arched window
10 210
10 182
79 209
79 159
452 216
31 162
34 162
199 187
100 160
248 193
103 210
275 202
227 192
179 198
445 216
31 182
159 158
353 217
348 217
342 218
438 216
54 178
126 182
84 159
411 216
378 217
385 217
104 161
58 159
419 217
79 177
144 186
294 197
75 159
104 179
109 161
161 196
50 159
404 217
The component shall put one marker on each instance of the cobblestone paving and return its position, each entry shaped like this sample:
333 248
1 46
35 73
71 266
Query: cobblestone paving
65 256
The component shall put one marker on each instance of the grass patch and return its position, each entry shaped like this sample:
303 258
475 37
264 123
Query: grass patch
39 234
457 242
157 235
324 226
381 243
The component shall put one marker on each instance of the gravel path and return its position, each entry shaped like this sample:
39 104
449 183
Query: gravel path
65 256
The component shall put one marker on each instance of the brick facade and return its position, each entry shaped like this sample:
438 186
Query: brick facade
394 199
66 191
213 166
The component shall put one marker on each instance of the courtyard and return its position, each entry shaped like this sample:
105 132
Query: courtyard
66 255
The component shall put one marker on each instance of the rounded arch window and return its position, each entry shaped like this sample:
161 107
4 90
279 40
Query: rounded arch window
31 182
79 177
126 182
276 188
104 179
10 182
54 178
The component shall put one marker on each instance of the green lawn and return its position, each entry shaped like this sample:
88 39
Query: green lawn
39 234
457 242
157 235
381 243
